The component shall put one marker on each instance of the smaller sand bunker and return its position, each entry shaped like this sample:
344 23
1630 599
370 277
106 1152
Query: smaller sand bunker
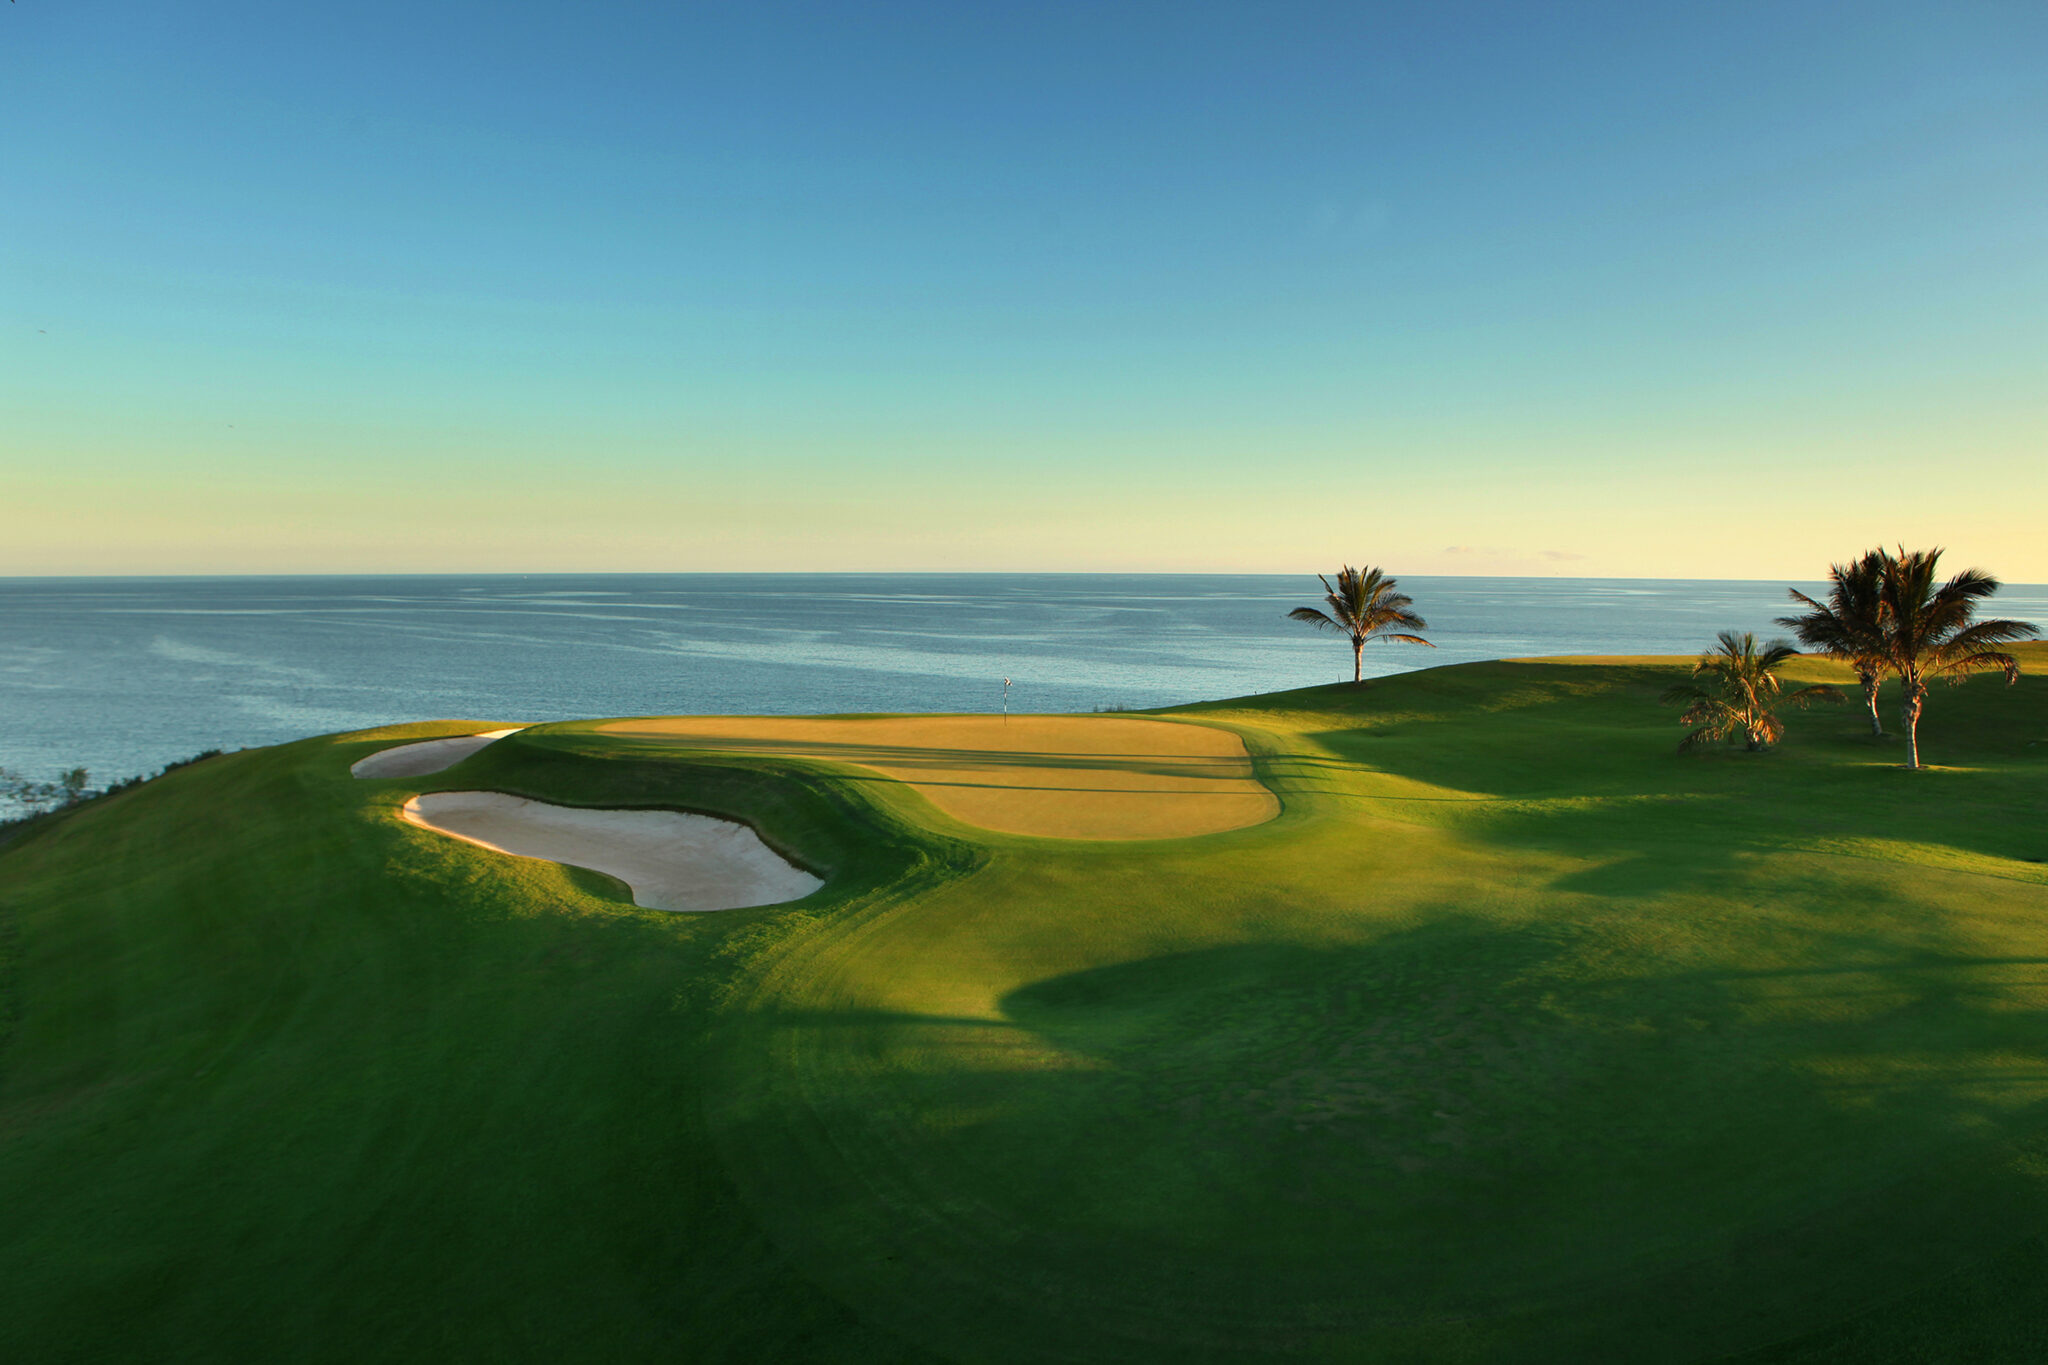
672 860
427 756
1067 777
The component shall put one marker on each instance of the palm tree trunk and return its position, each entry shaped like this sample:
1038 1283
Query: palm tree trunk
1358 661
1870 679
1916 697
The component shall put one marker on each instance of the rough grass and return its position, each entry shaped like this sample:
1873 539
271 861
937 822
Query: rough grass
1516 1036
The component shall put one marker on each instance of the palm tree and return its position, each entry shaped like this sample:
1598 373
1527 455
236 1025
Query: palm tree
1364 606
1850 626
1734 690
1932 632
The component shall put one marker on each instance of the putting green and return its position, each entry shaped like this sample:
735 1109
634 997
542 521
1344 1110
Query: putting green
1065 777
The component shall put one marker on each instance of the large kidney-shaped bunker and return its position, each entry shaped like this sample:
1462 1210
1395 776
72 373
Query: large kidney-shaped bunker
671 859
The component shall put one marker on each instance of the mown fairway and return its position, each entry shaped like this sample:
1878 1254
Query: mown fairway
1516 1036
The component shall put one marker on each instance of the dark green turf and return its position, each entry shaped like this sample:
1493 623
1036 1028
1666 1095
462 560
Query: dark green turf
1518 1036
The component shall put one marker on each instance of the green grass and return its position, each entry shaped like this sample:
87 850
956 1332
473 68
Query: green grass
1517 1036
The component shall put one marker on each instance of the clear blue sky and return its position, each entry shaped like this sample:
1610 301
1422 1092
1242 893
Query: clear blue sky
1718 290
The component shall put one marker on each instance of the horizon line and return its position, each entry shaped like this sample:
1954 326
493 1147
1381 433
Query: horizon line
887 573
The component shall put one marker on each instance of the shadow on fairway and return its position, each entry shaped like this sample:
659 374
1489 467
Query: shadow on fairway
1456 1140
1588 766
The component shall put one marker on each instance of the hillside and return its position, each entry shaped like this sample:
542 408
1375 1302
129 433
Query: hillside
1515 1036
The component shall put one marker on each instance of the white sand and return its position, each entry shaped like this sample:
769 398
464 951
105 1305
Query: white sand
673 861
427 756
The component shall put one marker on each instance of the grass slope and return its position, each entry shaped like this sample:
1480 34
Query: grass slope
1516 1036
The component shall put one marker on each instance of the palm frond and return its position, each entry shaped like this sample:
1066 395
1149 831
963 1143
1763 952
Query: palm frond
1850 624
1709 711
1775 653
1313 617
1705 735
1978 634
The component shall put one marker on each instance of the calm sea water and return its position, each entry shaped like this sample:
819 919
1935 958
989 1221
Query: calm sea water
124 675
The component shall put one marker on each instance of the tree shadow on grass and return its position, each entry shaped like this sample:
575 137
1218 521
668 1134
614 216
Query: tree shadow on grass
1595 772
1458 1141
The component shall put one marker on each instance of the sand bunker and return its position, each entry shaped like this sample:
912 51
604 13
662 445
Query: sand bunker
673 861
1068 777
427 756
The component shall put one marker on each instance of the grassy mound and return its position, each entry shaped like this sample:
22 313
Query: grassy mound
1516 1036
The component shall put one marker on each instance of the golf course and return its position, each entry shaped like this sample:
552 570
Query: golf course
1452 1016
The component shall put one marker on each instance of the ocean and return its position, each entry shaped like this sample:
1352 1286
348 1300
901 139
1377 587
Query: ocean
122 675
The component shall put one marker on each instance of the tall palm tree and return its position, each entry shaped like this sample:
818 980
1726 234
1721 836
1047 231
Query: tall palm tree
1364 606
1735 690
1850 625
1931 631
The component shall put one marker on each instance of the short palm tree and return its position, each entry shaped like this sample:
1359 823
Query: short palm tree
1735 691
1364 605
1850 625
1931 630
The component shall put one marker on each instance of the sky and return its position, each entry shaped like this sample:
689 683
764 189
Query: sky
1614 290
